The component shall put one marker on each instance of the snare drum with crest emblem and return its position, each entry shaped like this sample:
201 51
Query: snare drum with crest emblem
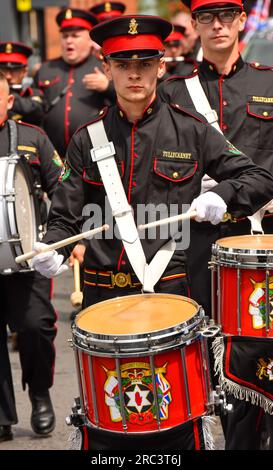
142 363
243 285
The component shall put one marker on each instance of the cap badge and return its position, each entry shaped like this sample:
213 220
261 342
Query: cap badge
68 14
133 27
9 48
107 7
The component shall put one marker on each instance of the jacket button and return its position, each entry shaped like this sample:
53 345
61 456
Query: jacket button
265 114
175 175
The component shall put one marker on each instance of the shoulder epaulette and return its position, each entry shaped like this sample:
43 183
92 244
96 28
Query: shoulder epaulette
33 127
182 110
258 66
102 113
193 72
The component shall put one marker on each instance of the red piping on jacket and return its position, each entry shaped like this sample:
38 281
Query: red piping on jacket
66 111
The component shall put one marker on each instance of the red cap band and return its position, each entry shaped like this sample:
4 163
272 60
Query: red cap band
134 43
76 22
13 57
174 36
203 3
108 15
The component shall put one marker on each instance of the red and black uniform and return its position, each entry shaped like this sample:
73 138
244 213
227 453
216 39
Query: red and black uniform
25 296
161 158
243 100
28 105
68 104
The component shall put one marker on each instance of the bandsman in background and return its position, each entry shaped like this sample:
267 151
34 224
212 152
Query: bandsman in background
242 96
105 11
74 86
28 103
176 64
26 295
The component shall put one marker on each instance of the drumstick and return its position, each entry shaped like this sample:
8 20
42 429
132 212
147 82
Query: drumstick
61 243
76 296
169 220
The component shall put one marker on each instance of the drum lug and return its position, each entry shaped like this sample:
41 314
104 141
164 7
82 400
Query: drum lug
10 196
77 418
218 402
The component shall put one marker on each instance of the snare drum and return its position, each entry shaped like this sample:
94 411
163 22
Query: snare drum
243 285
142 363
19 214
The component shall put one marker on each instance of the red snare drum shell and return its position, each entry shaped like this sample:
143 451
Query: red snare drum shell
135 315
249 257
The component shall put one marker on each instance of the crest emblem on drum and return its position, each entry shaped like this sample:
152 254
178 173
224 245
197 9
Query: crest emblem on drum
138 393
257 303
265 369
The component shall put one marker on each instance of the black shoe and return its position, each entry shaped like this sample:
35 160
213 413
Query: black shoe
42 416
5 433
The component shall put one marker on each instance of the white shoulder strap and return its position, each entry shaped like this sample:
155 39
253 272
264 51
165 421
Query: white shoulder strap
203 107
103 153
201 102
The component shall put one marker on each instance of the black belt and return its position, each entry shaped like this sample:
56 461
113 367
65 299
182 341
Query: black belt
111 279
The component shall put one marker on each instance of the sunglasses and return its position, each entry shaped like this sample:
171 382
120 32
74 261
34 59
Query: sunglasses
224 16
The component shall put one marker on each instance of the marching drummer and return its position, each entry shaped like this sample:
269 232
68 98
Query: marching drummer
143 151
25 296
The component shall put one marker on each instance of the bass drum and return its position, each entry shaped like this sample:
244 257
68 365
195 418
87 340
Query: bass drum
20 225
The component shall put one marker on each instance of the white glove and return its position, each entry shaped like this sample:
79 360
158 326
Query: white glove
48 264
207 183
209 207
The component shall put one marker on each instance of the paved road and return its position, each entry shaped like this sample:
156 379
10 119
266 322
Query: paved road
64 389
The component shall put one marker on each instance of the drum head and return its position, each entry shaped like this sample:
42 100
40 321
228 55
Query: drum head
24 210
247 242
137 314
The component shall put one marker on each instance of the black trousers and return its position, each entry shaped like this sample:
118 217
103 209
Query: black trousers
26 309
247 427
189 436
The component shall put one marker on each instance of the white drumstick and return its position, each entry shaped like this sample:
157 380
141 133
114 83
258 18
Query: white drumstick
76 296
169 220
61 243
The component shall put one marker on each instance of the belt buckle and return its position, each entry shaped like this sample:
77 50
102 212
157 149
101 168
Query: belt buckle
229 218
120 279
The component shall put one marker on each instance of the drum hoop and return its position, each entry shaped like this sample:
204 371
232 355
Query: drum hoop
154 341
16 245
242 258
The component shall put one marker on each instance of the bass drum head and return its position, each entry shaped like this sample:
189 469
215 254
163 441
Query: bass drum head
24 210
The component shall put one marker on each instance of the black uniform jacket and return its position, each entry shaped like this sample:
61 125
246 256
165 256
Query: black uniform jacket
243 101
68 104
186 67
28 106
161 158
44 161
